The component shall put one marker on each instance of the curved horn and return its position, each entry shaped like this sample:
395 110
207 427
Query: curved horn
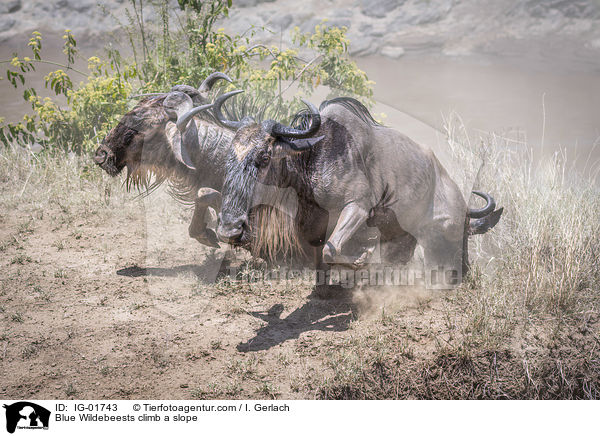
208 83
184 119
489 207
289 132
186 89
219 115
209 197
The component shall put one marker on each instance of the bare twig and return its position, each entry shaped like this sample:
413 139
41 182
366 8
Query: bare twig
295 79
26 181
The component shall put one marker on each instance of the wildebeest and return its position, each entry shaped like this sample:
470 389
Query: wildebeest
348 171
166 136
172 137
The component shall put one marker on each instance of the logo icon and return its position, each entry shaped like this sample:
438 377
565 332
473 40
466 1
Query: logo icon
26 415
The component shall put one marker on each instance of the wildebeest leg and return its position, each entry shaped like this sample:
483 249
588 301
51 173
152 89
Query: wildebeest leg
398 250
198 229
443 262
323 289
350 220
465 249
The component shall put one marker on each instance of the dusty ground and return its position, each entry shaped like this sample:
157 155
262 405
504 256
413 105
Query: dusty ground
88 314
106 297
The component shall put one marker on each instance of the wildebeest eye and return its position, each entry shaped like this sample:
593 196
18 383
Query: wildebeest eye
262 160
128 136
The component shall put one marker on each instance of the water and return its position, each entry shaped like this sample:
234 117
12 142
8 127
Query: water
547 104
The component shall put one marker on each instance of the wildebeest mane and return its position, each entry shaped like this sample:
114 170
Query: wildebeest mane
301 120
244 106
354 106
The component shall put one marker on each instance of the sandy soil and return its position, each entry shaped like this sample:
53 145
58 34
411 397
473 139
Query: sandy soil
115 306
111 299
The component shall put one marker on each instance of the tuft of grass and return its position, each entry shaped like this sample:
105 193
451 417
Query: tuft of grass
21 259
40 293
245 369
268 390
217 391
32 349
70 390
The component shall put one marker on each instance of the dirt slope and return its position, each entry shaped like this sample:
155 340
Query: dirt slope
106 298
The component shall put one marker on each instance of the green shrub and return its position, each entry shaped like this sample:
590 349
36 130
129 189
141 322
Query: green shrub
166 54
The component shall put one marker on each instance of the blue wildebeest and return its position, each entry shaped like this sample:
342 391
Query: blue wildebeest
173 137
348 171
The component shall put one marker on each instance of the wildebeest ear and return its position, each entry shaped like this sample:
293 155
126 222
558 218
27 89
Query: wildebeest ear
298 145
176 104
189 90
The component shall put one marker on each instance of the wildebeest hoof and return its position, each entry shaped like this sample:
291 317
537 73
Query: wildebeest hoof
208 237
329 253
364 258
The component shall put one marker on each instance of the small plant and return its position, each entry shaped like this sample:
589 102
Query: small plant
268 390
31 349
159 358
137 306
245 369
70 390
21 259
41 293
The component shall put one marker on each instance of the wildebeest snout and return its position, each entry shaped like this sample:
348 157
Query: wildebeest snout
100 156
231 230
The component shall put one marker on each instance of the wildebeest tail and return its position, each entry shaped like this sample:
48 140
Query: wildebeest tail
481 225
481 220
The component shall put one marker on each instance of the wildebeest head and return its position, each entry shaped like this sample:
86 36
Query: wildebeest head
144 143
260 170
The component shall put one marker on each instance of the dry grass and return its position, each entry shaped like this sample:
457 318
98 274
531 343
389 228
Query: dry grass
542 258
67 184
524 324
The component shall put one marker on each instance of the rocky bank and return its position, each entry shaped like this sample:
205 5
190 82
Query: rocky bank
387 27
